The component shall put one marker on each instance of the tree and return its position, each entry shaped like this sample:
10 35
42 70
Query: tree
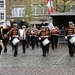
28 13
63 5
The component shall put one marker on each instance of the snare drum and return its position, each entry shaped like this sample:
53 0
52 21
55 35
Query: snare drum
72 40
45 42
15 41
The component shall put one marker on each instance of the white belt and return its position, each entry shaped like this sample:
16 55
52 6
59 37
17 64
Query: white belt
44 36
69 35
15 36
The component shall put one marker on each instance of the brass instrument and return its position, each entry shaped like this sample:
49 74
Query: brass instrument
22 34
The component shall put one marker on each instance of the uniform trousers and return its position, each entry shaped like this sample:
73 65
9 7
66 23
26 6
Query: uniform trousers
44 48
56 41
52 41
71 47
5 41
27 40
32 41
24 45
15 47
36 41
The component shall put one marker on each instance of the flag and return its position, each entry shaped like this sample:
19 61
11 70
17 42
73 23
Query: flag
49 4
8 23
51 26
52 8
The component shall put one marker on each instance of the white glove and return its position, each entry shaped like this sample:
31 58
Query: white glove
66 37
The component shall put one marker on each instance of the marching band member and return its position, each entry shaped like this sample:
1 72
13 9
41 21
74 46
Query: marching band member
42 38
24 39
14 33
69 33
5 37
27 37
1 38
48 33
32 33
1 46
74 36
36 37
54 38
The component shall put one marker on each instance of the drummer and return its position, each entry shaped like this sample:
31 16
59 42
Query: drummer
24 39
14 33
32 34
42 38
48 33
27 37
69 33
54 37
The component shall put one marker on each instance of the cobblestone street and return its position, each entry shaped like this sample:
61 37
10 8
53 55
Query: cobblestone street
57 62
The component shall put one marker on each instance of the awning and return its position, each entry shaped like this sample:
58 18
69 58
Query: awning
37 22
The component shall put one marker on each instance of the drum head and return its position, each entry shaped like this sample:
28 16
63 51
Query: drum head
15 41
45 42
72 40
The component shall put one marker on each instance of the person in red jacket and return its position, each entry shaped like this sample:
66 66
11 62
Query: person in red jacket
69 34
15 34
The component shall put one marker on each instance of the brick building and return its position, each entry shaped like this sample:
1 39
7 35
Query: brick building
2 13
33 11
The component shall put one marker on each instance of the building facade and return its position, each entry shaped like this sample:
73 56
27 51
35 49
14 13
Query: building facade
32 11
35 11
64 12
2 13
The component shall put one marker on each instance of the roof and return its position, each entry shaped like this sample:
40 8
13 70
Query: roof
63 14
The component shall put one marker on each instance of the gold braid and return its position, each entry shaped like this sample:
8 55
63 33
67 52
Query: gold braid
2 33
74 30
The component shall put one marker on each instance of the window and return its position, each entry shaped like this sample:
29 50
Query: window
35 7
1 4
73 8
43 9
18 12
1 16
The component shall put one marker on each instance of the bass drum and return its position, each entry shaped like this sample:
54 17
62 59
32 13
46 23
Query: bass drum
22 34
